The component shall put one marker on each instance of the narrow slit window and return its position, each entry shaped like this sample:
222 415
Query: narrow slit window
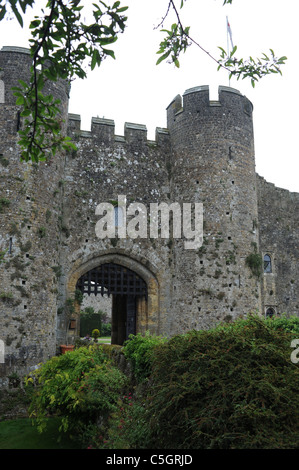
267 264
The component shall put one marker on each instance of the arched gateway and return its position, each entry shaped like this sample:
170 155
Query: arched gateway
134 291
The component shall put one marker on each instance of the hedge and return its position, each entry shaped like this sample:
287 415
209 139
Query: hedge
231 387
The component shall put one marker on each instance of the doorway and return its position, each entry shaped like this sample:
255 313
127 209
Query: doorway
129 296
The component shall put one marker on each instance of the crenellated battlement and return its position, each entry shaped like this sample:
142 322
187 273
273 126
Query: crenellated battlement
104 130
197 99
15 65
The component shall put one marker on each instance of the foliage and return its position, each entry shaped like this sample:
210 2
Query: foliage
78 296
4 202
290 324
233 386
2 255
95 333
255 261
139 349
126 426
89 311
60 45
106 329
252 68
178 39
6 295
230 387
82 386
89 320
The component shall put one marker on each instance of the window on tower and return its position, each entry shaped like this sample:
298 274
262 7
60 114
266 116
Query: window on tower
267 264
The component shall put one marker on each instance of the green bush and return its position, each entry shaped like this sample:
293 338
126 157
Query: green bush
95 333
106 329
127 426
138 350
231 387
89 320
290 324
255 262
82 386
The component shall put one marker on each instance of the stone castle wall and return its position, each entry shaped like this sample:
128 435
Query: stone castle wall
48 219
29 233
279 238
213 162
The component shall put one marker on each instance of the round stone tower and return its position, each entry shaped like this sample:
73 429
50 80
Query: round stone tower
15 63
213 163
30 229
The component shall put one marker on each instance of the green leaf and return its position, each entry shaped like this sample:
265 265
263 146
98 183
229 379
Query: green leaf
163 57
109 52
34 24
20 101
233 51
17 14
2 12
94 59
120 10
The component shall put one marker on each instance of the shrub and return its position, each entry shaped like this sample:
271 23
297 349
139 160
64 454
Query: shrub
255 262
90 320
3 203
290 324
82 386
106 329
231 387
95 333
127 426
138 349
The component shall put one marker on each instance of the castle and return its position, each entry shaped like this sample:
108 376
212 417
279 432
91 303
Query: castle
49 250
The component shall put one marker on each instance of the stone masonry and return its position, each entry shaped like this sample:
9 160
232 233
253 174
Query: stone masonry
48 219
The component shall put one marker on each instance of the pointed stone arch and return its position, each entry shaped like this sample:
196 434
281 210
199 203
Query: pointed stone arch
146 304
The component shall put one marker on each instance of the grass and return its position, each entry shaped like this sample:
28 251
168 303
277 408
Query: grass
104 339
21 434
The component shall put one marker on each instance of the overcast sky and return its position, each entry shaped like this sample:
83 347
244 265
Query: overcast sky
133 89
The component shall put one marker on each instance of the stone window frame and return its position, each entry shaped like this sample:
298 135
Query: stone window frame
270 263
269 308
